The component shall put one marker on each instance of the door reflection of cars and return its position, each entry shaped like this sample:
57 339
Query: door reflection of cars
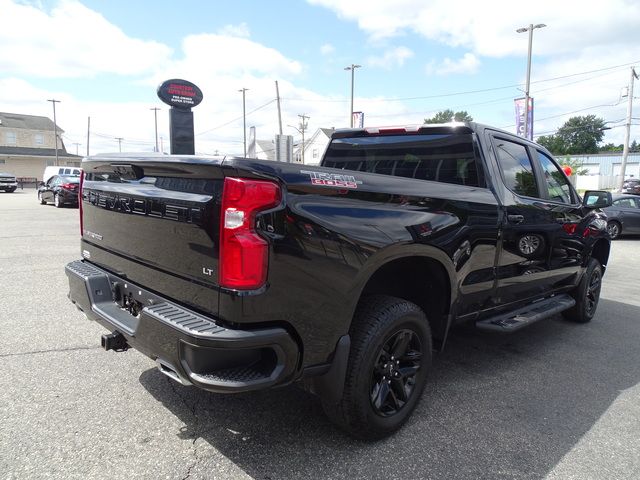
631 185
623 216
60 190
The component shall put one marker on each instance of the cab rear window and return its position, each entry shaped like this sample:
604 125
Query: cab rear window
447 158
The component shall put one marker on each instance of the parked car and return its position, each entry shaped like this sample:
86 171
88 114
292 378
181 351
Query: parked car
51 171
8 182
623 216
59 189
631 185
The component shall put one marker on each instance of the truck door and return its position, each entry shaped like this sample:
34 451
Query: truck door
542 246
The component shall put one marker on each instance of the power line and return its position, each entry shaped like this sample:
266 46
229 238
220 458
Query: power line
237 118
469 92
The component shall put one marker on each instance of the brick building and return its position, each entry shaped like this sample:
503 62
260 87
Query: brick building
27 145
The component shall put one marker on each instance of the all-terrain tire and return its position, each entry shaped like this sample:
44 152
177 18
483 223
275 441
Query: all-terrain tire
586 294
383 325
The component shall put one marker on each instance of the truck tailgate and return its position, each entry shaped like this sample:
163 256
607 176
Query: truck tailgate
156 222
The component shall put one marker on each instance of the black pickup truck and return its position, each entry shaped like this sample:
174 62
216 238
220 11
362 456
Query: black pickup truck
237 274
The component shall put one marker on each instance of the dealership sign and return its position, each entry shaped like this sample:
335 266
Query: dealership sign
180 93
521 111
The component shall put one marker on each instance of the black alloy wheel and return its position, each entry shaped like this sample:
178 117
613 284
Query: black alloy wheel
394 374
593 292
586 294
57 201
40 199
389 359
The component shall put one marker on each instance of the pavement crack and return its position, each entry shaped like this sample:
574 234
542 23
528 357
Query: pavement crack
195 427
52 350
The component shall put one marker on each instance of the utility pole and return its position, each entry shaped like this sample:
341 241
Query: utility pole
119 143
627 133
162 144
303 127
279 113
77 145
244 120
88 132
529 29
155 115
353 69
55 126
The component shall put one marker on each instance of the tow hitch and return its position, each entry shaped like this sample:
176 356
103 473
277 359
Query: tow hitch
114 341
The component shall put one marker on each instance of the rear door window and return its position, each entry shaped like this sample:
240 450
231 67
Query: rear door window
448 158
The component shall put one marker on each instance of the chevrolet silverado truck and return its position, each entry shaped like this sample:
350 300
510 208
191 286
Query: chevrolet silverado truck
237 274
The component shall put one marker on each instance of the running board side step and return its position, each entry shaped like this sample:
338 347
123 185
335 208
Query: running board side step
517 319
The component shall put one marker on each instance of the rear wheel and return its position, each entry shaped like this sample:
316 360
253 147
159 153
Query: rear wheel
57 201
388 365
614 229
586 295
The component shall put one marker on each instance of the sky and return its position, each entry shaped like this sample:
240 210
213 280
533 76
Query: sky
105 60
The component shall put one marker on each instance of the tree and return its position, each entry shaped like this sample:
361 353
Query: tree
634 147
580 134
445 116
576 166
552 143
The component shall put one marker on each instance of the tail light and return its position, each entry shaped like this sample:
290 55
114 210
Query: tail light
243 253
80 201
68 186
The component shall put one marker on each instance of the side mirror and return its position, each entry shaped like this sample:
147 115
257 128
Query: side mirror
597 199
41 184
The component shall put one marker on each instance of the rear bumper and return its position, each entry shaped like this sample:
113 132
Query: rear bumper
188 347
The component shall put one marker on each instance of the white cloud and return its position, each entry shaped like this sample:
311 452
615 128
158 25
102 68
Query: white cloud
491 31
468 64
327 49
70 41
241 30
392 58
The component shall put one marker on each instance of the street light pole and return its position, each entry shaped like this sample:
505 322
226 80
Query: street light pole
119 143
155 115
529 29
244 120
55 126
353 69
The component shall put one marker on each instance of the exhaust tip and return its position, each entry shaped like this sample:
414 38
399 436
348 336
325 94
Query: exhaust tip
114 341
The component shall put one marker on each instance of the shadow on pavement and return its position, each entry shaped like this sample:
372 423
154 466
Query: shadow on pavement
495 407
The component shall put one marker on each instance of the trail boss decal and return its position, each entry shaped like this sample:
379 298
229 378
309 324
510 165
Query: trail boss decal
332 179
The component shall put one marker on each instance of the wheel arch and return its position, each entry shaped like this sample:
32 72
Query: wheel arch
600 252
425 278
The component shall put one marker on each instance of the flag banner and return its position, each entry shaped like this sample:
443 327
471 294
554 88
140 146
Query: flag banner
358 119
520 113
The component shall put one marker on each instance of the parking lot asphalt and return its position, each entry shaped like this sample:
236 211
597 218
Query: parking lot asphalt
555 400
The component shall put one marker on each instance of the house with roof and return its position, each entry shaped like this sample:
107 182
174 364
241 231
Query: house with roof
314 147
28 146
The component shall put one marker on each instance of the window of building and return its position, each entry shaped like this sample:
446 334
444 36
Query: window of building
10 138
39 139
315 153
49 163
516 168
2 161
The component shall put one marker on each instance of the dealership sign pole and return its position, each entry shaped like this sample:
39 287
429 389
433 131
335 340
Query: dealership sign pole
181 95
